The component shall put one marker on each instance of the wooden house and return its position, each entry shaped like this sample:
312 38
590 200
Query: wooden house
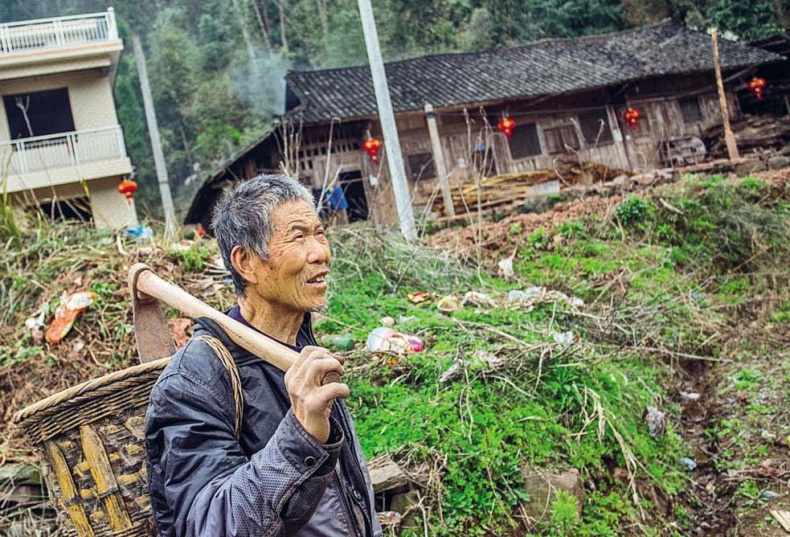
566 96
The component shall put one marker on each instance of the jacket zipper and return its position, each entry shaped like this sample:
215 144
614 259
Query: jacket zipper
346 504
368 520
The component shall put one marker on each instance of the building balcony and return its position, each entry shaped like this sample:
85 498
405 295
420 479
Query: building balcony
29 48
71 157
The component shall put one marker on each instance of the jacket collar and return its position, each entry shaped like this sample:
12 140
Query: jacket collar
205 326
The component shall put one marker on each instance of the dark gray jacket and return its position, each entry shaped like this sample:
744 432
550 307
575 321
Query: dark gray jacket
275 481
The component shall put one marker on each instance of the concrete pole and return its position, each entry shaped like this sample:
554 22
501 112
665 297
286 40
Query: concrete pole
156 144
388 128
438 159
729 139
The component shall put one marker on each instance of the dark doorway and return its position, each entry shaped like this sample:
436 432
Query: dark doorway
38 113
75 209
354 190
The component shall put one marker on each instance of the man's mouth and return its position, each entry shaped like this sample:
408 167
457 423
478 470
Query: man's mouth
319 279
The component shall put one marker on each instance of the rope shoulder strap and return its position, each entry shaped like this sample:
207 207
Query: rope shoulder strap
233 372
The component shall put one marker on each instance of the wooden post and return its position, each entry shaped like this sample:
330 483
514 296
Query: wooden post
438 159
729 139
618 136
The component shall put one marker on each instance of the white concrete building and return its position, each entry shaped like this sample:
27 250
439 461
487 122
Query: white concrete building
60 140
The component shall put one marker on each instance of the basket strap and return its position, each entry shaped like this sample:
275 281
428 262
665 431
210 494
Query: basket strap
233 372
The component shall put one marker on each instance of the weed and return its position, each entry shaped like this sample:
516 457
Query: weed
192 257
573 229
564 516
539 239
632 210
749 492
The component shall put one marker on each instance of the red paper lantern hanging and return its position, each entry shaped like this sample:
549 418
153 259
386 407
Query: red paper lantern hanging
506 126
371 146
128 187
756 85
632 117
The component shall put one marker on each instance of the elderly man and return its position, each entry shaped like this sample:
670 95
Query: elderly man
294 466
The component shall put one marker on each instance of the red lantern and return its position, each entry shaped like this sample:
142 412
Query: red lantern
632 117
371 146
506 126
128 187
756 85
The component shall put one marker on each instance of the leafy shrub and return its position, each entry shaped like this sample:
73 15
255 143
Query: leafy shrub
573 229
564 516
632 210
539 239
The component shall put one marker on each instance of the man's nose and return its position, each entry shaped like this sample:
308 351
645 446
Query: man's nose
319 252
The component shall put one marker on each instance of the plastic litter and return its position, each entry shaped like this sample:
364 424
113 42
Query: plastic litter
691 396
341 342
387 321
141 233
418 297
386 339
531 293
482 300
66 313
532 296
480 360
656 422
454 371
769 495
565 338
487 359
449 304
688 463
506 267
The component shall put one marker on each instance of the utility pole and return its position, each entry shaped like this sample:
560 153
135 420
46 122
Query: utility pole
388 128
156 144
438 159
729 139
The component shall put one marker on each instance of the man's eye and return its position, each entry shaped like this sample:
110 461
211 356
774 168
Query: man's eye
320 232
298 236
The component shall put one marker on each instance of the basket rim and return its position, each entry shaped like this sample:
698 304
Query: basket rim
86 387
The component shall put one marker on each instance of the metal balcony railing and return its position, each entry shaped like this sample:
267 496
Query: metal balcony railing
60 32
67 149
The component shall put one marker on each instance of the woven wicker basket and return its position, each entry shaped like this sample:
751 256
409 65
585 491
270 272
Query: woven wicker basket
89 439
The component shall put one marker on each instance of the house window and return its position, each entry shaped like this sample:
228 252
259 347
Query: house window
39 113
595 127
561 139
690 110
525 142
421 166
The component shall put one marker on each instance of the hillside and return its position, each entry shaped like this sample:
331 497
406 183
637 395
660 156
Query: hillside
640 344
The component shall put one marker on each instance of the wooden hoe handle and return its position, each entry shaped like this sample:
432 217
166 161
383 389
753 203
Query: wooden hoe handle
146 285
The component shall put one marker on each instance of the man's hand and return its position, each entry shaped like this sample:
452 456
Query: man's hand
311 401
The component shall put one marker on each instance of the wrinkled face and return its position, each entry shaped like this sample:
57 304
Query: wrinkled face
294 276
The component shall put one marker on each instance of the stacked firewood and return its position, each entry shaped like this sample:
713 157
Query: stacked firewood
513 188
752 133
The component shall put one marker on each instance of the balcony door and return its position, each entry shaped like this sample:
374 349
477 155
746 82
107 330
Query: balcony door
38 113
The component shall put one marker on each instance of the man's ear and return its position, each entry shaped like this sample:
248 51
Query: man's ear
243 262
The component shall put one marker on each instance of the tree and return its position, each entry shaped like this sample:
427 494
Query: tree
747 20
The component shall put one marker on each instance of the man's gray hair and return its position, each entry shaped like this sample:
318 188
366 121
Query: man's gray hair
243 217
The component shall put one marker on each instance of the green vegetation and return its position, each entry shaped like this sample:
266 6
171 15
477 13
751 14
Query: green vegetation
547 382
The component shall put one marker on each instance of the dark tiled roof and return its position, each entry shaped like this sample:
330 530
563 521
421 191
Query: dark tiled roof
542 68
